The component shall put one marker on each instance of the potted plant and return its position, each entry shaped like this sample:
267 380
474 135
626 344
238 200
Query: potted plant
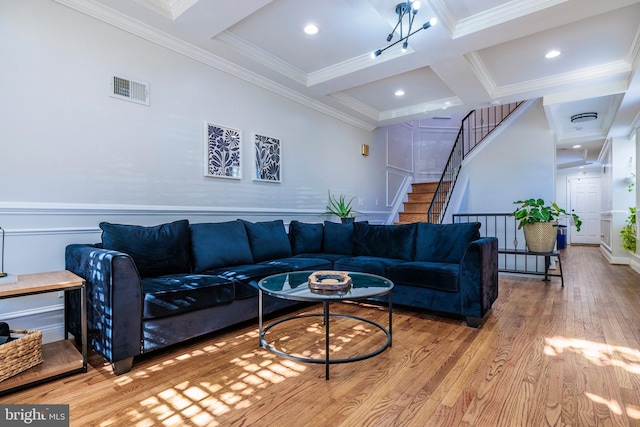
540 222
628 232
341 208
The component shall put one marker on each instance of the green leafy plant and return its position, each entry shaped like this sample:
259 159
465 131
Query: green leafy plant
628 232
632 182
339 206
535 210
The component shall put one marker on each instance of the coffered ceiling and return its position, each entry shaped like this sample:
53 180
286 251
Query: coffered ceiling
480 52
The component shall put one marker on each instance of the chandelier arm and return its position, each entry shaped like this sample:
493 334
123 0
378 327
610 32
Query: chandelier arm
424 27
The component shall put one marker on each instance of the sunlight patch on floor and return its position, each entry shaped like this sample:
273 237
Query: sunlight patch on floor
200 403
601 355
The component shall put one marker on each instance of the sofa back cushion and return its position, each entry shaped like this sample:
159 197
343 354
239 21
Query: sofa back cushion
385 241
156 251
219 244
337 238
268 240
444 242
305 238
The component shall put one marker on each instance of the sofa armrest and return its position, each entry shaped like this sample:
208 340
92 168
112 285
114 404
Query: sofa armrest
479 278
114 301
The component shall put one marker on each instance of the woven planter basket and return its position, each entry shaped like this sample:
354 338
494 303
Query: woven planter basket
20 354
541 236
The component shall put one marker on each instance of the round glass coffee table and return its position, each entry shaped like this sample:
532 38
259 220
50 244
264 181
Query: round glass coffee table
294 286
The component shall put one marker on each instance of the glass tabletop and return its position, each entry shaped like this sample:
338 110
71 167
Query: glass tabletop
295 286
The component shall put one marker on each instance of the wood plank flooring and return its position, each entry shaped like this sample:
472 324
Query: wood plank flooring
546 356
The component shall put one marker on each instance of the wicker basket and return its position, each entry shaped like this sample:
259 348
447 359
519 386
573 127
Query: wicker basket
541 236
20 354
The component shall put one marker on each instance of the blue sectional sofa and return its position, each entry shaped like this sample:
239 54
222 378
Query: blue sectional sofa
150 287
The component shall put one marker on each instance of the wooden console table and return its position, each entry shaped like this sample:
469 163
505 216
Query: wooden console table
60 358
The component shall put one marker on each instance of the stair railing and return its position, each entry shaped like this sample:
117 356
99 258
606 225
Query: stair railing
476 126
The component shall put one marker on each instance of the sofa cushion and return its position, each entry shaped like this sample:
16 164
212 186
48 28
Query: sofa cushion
305 238
158 250
268 240
366 264
386 241
248 274
297 263
323 255
444 242
181 293
337 238
219 244
434 275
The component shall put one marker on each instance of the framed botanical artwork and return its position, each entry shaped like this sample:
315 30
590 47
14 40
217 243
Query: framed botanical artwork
223 152
268 158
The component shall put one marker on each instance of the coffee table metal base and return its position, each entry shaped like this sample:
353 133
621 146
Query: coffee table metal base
326 315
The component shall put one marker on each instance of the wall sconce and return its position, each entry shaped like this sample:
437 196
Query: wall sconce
364 149
2 273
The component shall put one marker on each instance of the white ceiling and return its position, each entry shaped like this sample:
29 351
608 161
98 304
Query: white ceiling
480 52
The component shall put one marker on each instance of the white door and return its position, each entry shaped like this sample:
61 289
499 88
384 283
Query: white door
585 202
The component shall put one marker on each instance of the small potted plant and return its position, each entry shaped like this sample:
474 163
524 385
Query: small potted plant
628 232
540 222
341 208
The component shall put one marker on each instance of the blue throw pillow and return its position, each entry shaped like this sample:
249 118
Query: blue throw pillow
305 238
444 242
338 238
156 251
385 241
219 244
268 240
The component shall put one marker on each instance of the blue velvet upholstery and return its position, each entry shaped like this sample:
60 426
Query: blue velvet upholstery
324 256
436 275
444 268
248 273
366 264
305 238
300 263
156 251
114 301
385 241
268 240
180 293
216 245
444 242
337 238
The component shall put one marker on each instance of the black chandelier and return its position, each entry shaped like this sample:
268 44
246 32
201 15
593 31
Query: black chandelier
410 9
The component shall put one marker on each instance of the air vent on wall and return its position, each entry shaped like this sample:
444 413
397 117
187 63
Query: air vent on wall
130 90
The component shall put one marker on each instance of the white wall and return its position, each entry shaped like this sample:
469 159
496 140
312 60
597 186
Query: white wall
71 156
620 156
494 175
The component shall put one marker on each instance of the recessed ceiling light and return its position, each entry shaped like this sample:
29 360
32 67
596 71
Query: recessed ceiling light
552 54
577 146
311 29
399 92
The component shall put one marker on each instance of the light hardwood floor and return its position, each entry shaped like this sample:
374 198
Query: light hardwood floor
545 356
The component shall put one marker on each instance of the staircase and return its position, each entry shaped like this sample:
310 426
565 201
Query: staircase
419 199
428 201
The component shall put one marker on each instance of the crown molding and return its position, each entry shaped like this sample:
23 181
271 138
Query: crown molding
137 28
499 15
263 57
490 17
356 105
426 107
601 71
169 8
